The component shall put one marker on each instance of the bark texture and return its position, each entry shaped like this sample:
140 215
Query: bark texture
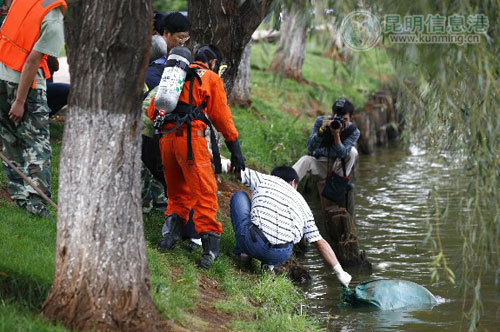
240 94
338 226
341 230
101 279
228 24
289 57
380 122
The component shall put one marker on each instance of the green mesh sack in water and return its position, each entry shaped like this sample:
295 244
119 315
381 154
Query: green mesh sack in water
388 294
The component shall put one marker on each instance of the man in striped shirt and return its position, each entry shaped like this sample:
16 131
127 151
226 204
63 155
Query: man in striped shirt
277 217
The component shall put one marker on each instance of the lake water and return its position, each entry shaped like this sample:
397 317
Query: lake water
391 196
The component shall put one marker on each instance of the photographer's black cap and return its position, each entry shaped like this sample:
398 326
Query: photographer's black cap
342 106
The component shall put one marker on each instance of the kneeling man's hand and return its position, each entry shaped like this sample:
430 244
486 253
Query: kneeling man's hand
344 277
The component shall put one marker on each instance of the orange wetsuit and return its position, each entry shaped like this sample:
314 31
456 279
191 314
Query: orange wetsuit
192 185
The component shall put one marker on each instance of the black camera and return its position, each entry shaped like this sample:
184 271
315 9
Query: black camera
337 122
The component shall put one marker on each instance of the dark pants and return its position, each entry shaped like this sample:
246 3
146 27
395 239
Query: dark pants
253 244
57 96
151 158
188 231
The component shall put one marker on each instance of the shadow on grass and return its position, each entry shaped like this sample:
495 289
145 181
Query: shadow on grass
153 223
24 291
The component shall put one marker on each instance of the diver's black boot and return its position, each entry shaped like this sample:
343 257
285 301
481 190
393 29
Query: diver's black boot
170 232
210 243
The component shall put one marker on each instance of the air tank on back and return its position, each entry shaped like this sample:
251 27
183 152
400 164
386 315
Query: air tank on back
172 79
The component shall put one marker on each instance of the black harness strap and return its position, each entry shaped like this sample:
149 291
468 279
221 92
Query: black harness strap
185 114
177 63
190 157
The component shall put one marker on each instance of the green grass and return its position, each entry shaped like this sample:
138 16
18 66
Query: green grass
27 259
273 131
27 265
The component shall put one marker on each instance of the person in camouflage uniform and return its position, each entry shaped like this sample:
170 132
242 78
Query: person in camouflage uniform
27 146
153 194
24 113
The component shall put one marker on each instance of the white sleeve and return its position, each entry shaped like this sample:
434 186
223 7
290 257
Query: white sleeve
311 232
251 178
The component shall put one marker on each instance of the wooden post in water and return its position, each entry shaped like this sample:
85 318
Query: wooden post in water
342 233
379 122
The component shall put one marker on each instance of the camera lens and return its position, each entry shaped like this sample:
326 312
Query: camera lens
336 124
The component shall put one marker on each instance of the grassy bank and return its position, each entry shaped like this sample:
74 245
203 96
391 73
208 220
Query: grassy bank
226 296
273 131
193 298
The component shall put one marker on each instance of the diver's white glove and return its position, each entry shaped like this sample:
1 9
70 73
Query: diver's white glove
344 277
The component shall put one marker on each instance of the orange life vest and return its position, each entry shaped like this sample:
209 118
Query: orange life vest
21 30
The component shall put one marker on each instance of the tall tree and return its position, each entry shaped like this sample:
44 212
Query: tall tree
289 57
101 277
228 24
240 95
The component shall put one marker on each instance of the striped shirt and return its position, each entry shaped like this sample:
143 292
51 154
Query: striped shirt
279 210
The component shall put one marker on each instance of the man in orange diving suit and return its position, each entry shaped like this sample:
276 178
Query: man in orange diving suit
191 182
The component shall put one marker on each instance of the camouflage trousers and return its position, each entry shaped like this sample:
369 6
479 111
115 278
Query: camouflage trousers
27 146
153 193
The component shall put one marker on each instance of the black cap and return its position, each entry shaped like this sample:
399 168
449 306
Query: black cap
342 106
208 52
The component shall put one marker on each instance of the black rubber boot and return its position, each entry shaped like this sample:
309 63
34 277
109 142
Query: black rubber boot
170 232
210 243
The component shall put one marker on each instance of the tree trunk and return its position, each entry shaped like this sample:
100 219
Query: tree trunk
101 277
341 229
228 26
289 57
240 95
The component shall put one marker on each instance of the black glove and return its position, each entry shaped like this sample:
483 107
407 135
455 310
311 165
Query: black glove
237 159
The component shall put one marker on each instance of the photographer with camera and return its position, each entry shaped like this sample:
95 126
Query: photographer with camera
332 139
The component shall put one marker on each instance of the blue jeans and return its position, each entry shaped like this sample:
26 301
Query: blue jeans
256 247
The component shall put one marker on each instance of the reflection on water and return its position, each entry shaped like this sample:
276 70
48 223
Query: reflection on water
392 189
